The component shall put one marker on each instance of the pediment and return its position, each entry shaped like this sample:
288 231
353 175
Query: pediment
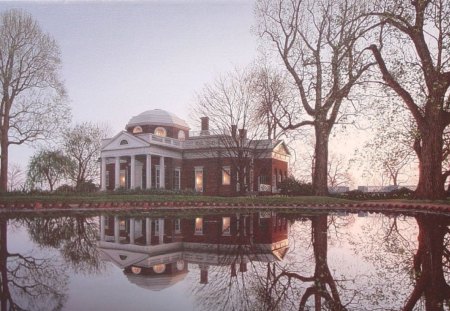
124 140
123 258
282 149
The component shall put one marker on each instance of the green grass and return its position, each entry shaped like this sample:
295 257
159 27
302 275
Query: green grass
102 197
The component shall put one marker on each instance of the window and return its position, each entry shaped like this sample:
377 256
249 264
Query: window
124 142
157 177
160 131
226 175
198 225
122 225
137 130
181 135
226 229
176 179
107 179
156 225
177 225
199 179
122 178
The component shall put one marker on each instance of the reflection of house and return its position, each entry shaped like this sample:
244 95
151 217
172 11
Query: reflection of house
155 252
156 151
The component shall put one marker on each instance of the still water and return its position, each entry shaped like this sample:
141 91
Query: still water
232 260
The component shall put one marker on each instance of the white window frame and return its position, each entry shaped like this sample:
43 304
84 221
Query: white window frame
177 179
157 177
160 131
156 226
178 225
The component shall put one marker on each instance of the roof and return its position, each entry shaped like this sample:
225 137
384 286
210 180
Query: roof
158 117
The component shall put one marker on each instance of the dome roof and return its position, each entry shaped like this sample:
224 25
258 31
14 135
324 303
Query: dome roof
158 117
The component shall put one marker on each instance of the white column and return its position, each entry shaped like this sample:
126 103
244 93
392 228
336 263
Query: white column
133 171
161 230
116 230
103 174
162 173
148 171
102 227
132 229
117 173
148 231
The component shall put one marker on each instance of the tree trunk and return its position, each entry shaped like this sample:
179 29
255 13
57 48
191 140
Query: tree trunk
320 174
4 144
431 183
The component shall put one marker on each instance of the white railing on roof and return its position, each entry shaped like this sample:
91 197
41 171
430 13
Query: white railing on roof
165 141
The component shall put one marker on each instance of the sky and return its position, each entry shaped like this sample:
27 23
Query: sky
120 58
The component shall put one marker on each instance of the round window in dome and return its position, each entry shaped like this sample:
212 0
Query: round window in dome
181 135
160 131
180 265
137 130
159 268
136 270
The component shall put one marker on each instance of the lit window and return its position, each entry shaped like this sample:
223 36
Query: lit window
122 178
198 225
180 265
226 175
181 135
199 179
160 131
137 130
122 225
226 229
124 142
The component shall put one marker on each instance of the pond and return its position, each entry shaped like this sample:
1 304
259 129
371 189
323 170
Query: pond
225 260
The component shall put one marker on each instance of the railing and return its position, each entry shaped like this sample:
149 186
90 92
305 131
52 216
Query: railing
166 141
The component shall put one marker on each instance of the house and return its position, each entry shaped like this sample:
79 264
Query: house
157 150
155 253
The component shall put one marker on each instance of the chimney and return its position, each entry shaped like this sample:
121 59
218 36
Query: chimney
233 270
233 130
205 126
203 276
242 134
242 267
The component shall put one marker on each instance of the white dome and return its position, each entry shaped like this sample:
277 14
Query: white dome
158 117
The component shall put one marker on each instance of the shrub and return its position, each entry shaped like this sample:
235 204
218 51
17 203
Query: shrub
292 186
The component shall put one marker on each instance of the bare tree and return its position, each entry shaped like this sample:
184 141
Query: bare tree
416 66
16 177
229 103
32 95
321 45
82 144
338 171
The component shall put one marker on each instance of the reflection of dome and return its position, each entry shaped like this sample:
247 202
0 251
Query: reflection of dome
158 117
156 282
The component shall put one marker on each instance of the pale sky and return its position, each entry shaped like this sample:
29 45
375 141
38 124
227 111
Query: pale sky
120 58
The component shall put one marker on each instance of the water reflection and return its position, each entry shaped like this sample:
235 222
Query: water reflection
262 260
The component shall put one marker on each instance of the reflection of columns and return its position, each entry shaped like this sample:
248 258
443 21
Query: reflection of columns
117 173
148 171
116 229
162 173
161 230
103 176
148 231
132 173
132 223
102 227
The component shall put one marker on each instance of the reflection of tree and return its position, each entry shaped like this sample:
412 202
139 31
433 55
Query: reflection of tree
27 282
321 288
428 267
75 237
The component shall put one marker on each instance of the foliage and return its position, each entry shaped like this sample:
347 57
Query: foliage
292 186
33 102
48 168
401 193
